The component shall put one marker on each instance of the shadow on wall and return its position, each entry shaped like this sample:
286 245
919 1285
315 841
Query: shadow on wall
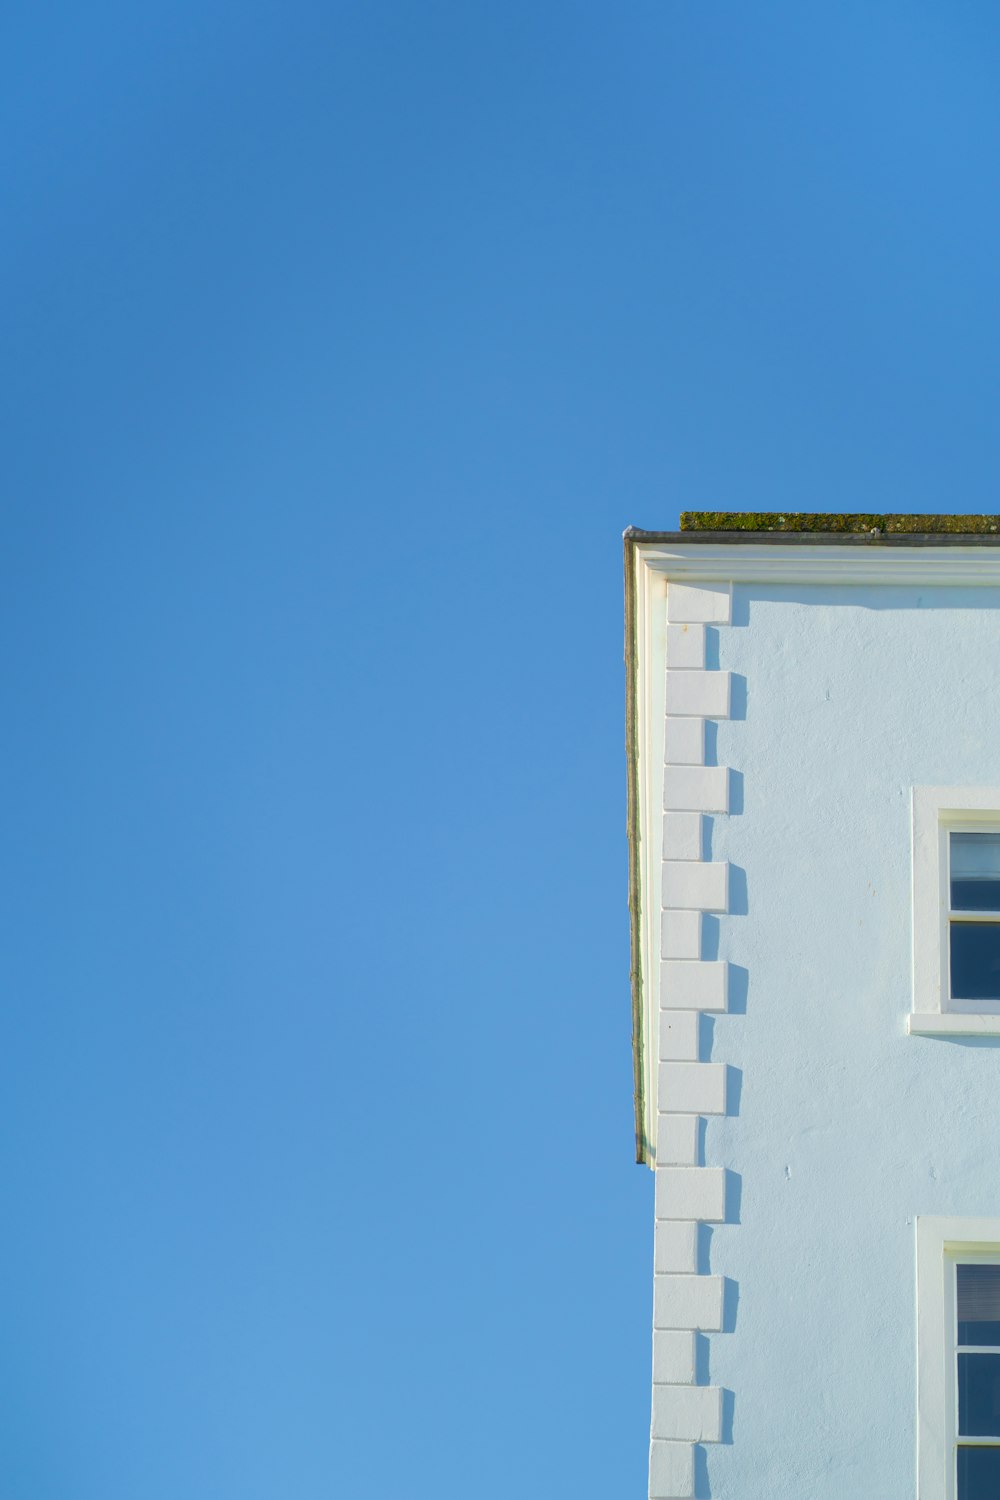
702 1485
737 997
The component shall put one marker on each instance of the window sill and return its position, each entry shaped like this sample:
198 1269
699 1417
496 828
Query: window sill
953 1023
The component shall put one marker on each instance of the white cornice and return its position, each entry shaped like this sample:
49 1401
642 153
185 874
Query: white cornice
749 563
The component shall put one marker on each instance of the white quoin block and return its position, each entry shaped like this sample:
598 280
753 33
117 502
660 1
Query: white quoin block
685 648
680 934
694 886
687 984
675 1248
693 1088
704 603
694 1302
673 1356
691 1193
698 695
678 1141
685 742
671 1471
680 1035
683 835
696 788
689 1413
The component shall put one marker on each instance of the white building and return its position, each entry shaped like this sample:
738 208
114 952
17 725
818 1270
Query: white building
814 776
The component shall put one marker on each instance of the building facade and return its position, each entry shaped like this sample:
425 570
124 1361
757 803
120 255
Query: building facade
814 811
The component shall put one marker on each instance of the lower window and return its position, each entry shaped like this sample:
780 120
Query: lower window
958 1301
976 1335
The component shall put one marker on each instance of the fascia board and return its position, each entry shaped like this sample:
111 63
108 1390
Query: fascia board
704 562
645 658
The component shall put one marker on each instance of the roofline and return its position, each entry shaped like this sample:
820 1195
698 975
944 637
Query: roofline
634 535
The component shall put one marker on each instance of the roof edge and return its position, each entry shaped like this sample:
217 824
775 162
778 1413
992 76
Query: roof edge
634 535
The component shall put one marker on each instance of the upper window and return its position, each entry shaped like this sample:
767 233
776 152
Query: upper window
956 910
974 916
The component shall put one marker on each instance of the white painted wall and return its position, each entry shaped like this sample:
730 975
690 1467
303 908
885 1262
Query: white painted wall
847 1127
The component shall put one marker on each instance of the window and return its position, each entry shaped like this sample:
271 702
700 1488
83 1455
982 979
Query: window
956 910
958 1301
977 1374
974 917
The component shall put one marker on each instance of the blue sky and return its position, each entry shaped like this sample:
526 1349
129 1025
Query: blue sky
340 343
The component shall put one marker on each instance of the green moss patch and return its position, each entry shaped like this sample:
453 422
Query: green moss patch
871 525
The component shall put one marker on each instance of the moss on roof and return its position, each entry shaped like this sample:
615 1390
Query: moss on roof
765 520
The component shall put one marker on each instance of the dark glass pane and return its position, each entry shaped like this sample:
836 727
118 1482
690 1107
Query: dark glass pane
979 1395
975 872
978 1289
979 1333
975 960
978 1473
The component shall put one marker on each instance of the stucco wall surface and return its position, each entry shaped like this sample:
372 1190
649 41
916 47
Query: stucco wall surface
845 1126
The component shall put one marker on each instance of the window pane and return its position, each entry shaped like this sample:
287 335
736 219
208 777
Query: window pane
975 872
978 1473
975 960
979 1395
978 1305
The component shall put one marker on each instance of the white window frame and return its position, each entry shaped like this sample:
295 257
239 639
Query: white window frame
941 1244
937 812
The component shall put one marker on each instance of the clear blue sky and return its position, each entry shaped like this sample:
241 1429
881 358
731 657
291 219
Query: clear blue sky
340 343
